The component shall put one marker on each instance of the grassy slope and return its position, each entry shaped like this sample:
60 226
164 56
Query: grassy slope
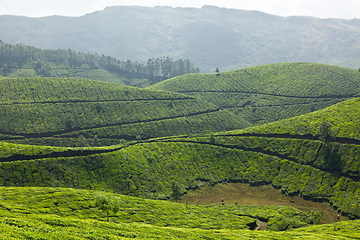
270 92
57 213
80 204
15 226
67 108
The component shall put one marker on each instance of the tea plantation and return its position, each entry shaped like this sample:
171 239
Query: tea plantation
65 143
309 167
272 92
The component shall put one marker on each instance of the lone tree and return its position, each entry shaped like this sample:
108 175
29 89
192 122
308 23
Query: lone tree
217 71
176 191
325 133
106 205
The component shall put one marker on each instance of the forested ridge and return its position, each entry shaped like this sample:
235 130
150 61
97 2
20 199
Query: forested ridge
22 60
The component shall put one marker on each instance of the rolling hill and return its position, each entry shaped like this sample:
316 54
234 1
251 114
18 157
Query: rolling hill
297 164
82 204
209 37
272 92
73 112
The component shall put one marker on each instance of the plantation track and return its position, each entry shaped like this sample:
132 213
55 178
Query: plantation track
273 94
51 134
97 101
288 136
273 105
69 153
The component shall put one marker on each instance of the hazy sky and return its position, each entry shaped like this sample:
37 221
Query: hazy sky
347 9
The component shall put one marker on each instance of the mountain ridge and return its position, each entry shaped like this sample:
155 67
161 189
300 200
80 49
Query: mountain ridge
209 37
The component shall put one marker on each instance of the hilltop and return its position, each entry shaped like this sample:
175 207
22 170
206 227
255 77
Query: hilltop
75 112
271 92
209 37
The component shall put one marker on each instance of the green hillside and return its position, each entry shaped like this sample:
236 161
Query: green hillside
296 164
82 204
72 112
269 93
58 213
343 118
34 226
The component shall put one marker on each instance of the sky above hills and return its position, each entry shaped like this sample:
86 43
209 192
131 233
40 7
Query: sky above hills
346 9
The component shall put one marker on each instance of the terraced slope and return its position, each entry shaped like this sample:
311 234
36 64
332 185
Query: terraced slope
272 92
68 112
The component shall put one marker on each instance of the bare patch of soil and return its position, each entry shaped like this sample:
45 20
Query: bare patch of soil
244 194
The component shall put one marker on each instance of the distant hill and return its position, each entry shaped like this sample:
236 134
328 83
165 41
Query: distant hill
64 111
271 92
209 37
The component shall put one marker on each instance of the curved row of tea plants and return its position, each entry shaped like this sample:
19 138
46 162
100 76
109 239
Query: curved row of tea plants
270 92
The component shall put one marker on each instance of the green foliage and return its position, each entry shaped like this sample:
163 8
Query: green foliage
316 217
175 190
106 205
325 133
